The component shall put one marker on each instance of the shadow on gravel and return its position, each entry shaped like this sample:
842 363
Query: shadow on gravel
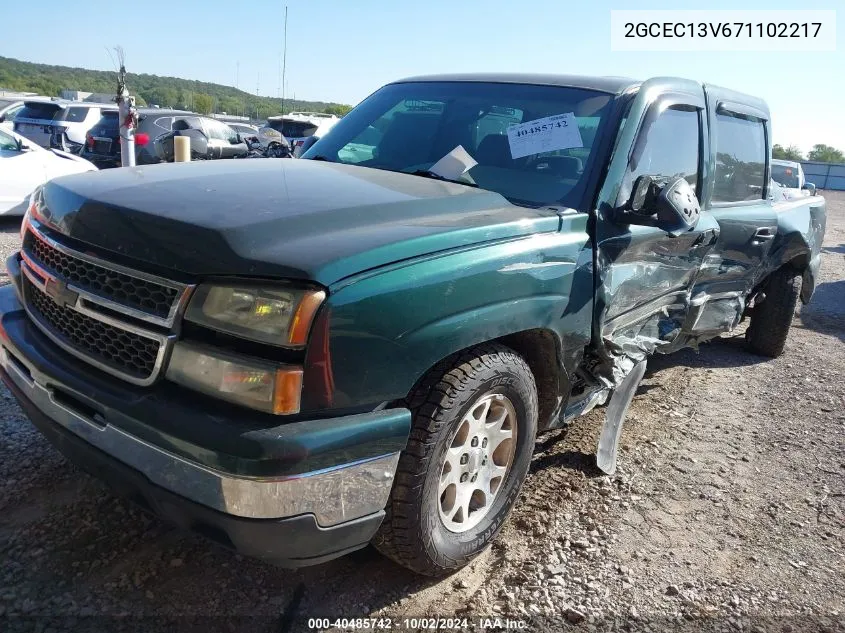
10 224
834 249
570 460
826 311
720 352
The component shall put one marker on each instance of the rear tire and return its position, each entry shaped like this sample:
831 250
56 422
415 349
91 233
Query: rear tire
771 320
471 442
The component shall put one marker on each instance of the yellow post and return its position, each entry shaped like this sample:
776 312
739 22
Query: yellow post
181 149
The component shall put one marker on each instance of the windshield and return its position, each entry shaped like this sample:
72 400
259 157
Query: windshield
786 176
533 144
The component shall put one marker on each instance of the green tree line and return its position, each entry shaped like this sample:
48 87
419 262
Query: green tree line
172 92
820 152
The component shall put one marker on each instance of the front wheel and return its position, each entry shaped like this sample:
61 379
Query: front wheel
771 320
474 424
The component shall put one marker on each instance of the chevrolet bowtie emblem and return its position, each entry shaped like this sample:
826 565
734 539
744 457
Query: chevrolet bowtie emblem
59 292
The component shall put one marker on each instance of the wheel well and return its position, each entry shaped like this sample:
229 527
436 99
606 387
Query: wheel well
799 262
539 348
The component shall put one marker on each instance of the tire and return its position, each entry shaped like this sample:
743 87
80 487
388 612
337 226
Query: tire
448 403
770 321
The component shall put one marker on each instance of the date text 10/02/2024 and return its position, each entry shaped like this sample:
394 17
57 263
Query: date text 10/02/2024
416 624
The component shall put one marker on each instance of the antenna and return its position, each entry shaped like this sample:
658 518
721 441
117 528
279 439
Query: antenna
284 59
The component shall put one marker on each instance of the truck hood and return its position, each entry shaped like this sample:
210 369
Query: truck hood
298 219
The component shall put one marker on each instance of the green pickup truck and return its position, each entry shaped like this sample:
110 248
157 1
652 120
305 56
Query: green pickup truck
297 358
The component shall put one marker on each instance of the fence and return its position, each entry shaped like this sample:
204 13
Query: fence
825 175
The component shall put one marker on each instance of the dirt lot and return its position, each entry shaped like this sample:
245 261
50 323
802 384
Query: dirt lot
727 513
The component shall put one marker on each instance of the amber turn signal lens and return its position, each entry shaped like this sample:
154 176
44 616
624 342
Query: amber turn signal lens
288 390
301 323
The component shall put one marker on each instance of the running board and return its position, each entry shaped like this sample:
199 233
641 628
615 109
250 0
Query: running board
617 409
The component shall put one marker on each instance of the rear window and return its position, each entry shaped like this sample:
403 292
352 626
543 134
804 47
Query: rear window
73 115
108 121
786 175
293 129
38 111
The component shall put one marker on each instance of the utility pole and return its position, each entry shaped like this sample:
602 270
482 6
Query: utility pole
237 74
127 112
284 59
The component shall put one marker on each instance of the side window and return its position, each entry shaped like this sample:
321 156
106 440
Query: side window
8 142
164 122
740 158
671 148
11 113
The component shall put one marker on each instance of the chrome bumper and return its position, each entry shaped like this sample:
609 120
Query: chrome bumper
333 495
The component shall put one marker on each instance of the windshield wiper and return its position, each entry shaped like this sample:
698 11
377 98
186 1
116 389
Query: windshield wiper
427 173
320 157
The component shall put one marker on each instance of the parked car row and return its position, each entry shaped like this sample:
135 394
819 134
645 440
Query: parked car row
92 131
210 138
296 128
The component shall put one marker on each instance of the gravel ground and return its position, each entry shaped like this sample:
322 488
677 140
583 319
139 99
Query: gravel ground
727 513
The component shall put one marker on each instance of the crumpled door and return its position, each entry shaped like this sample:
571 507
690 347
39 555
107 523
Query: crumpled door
643 274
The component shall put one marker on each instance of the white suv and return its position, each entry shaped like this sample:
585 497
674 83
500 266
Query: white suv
59 124
296 127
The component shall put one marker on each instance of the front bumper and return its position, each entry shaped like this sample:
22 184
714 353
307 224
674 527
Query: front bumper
323 511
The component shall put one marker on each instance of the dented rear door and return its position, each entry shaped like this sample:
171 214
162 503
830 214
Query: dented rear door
736 196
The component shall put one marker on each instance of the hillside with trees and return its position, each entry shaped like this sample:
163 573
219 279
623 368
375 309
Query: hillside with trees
820 152
198 96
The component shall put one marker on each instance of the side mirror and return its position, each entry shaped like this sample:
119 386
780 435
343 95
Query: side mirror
672 207
808 186
678 209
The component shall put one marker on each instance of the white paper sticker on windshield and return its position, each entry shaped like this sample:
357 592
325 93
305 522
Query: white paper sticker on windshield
453 164
544 135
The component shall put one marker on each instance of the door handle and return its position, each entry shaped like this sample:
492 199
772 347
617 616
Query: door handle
764 233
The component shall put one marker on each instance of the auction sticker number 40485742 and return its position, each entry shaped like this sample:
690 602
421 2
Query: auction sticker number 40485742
559 131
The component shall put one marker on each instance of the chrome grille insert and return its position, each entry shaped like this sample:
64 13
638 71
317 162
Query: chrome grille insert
117 319
125 352
136 294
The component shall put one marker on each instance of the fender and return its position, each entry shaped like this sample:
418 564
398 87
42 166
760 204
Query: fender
410 317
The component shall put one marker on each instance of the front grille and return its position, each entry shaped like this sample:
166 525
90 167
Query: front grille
140 294
123 351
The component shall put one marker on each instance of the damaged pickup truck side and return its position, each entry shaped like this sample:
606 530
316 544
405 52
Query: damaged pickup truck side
297 358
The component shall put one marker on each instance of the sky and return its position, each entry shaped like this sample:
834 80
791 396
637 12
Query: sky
340 50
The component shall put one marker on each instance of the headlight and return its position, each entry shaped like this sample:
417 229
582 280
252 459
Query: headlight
254 383
31 210
278 316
